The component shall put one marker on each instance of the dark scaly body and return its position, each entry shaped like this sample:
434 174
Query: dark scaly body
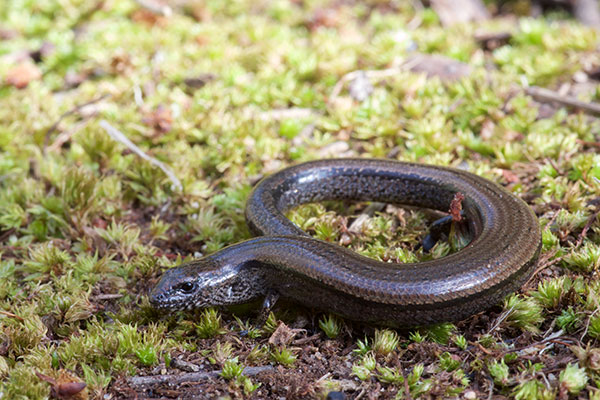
285 260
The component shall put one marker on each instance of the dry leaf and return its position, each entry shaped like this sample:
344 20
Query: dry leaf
147 17
327 17
160 119
67 386
120 63
283 335
510 136
456 207
487 129
446 68
22 74
509 176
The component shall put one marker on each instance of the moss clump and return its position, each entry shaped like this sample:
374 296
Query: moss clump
223 93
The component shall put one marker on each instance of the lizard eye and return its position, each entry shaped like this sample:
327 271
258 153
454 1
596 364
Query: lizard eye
186 287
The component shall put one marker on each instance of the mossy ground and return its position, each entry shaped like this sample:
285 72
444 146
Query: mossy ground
87 226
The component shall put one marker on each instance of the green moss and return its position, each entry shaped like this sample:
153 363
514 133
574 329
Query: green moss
284 356
523 313
88 219
331 326
551 292
209 324
499 372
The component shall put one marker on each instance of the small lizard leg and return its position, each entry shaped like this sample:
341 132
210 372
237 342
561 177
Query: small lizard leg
268 303
436 230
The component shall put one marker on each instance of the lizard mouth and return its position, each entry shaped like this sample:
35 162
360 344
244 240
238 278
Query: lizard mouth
160 302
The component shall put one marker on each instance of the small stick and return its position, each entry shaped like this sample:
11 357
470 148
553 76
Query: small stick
406 385
108 296
120 137
66 136
547 263
72 111
185 365
192 376
285 113
9 314
549 96
587 226
590 144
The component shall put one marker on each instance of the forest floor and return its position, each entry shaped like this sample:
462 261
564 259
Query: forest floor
132 134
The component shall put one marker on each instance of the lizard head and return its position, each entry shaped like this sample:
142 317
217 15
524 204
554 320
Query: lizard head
204 283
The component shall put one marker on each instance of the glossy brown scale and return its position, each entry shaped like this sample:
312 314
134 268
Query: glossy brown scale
285 261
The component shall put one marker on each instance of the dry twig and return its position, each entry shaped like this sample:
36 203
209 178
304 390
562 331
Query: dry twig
549 96
191 377
587 226
67 135
11 315
120 137
547 262
72 111
285 113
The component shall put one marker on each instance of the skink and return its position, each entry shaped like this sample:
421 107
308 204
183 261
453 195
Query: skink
285 261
